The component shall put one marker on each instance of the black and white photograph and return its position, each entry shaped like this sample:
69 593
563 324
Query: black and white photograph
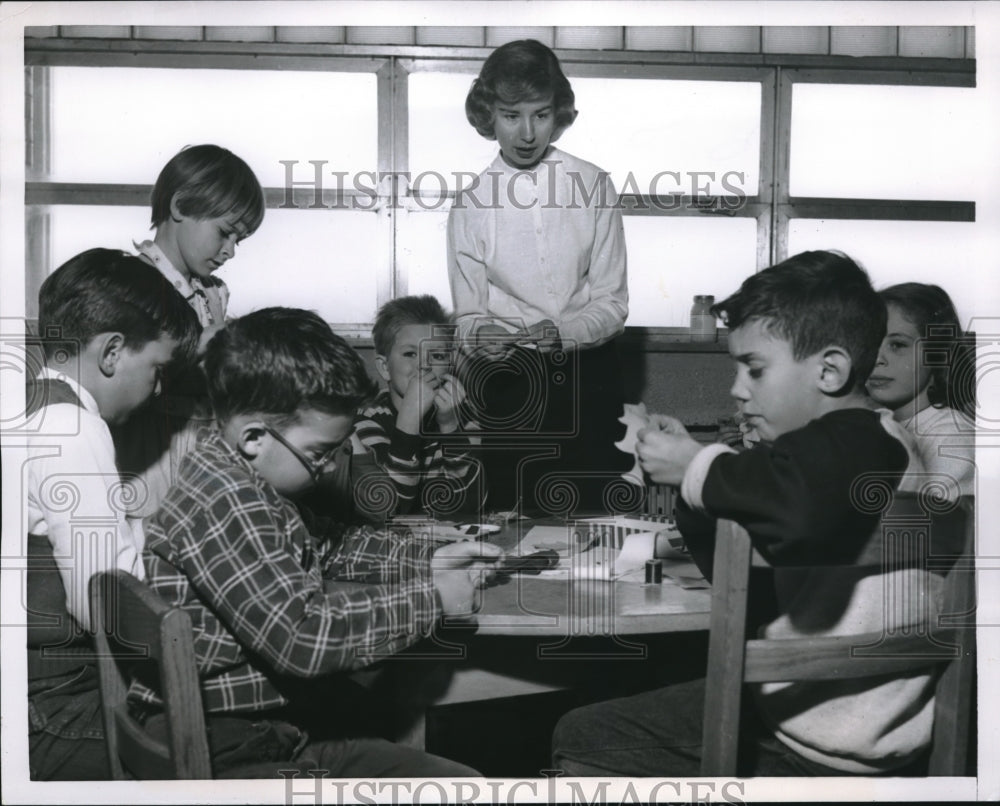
499 402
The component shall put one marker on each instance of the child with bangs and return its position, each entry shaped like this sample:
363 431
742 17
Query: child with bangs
415 431
804 336
928 395
206 200
537 267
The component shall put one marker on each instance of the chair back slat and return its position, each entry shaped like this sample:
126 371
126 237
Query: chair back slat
954 709
727 636
184 714
836 657
134 628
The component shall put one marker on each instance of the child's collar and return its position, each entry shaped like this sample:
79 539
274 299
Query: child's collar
155 255
87 399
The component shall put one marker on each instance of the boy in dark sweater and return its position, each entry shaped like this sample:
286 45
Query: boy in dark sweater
804 335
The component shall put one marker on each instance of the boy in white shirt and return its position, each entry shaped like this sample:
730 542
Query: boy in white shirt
110 325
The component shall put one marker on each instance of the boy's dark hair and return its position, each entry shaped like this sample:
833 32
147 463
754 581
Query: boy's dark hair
931 311
110 291
398 313
812 300
523 70
209 182
276 361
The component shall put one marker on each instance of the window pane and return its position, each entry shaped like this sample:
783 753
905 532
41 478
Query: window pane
667 261
320 260
324 261
943 253
75 228
658 138
644 127
441 138
123 124
671 259
879 142
422 253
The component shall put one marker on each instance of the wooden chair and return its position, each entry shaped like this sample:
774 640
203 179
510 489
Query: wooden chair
137 630
947 543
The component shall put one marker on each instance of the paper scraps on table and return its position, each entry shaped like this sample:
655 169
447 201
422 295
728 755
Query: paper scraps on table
635 418
583 557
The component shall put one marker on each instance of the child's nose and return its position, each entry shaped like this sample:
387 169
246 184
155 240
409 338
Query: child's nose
527 130
738 390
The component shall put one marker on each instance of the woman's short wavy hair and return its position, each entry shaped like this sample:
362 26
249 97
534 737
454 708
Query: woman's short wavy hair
520 71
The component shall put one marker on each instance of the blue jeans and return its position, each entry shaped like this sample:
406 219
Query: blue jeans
658 734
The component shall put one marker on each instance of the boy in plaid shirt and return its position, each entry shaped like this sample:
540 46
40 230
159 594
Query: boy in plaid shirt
279 607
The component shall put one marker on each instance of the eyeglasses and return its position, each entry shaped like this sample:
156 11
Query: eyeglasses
316 467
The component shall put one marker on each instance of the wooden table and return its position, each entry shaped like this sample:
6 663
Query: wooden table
557 611
550 605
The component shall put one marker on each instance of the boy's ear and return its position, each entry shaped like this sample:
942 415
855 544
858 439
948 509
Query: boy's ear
250 439
109 352
382 367
836 370
175 212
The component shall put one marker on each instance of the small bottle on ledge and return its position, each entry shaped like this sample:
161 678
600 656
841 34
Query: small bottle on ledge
702 321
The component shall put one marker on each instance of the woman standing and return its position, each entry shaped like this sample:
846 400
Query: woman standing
537 266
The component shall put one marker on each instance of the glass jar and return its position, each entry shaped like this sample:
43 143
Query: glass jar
702 321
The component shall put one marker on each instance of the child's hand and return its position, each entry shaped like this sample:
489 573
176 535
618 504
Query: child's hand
417 401
447 399
459 570
665 449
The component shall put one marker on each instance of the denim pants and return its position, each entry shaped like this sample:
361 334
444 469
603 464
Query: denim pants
658 733
266 746
66 729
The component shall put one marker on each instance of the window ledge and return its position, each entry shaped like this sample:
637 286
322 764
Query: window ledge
671 340
639 339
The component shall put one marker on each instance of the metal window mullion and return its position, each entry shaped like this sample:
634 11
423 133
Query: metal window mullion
130 195
922 78
38 164
880 209
782 166
385 246
400 165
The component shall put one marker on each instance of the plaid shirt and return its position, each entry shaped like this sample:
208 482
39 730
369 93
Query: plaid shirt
266 598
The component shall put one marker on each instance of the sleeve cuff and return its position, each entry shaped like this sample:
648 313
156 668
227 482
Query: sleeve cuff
695 475
406 446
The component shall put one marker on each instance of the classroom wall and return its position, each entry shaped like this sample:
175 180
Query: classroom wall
690 385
